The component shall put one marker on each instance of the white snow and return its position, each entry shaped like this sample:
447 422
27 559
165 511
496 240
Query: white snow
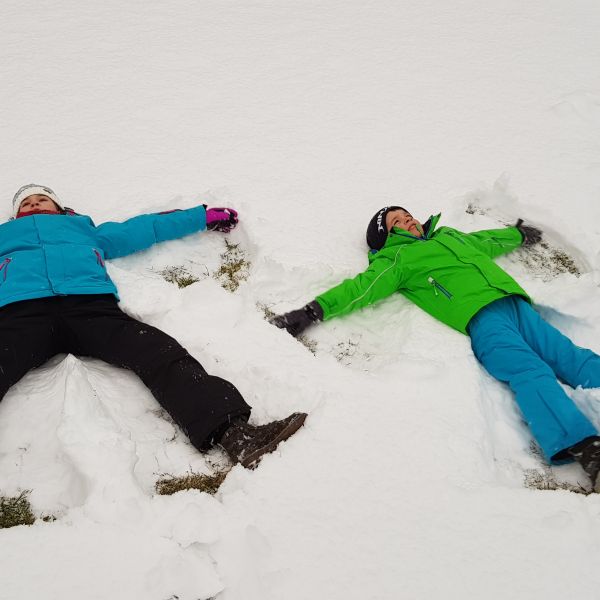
407 480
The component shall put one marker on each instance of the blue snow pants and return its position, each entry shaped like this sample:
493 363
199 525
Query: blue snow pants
515 345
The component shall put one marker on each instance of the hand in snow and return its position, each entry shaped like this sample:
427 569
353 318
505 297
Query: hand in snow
296 321
531 235
221 219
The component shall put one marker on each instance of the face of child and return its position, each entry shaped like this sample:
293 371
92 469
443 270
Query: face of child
403 220
38 202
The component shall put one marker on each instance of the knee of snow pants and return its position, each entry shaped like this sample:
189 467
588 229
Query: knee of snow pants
201 404
570 363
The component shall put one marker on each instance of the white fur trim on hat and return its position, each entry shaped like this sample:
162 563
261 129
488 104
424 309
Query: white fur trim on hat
29 190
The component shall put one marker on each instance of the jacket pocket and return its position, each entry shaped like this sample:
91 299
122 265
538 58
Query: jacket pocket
99 258
76 266
438 287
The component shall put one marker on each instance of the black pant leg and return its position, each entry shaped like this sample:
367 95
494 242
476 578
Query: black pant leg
29 336
200 404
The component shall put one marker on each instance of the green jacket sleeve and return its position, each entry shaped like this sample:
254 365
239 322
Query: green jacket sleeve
495 242
381 279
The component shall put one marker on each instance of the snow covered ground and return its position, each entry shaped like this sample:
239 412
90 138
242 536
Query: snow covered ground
408 480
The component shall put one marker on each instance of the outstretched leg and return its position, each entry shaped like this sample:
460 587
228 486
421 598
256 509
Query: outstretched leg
571 364
29 336
201 404
497 342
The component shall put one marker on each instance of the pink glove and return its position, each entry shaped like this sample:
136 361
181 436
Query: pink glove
221 219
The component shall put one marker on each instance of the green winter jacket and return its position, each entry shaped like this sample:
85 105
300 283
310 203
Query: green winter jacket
448 273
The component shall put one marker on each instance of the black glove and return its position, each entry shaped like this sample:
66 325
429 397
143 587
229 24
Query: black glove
296 321
531 235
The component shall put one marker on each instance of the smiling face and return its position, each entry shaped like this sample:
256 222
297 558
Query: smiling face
37 203
403 220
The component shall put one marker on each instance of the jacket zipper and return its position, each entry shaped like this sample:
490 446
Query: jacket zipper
4 267
98 258
441 288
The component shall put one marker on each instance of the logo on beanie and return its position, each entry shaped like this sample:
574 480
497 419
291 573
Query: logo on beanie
380 216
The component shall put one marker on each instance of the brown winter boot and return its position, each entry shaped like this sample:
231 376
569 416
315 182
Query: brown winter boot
246 444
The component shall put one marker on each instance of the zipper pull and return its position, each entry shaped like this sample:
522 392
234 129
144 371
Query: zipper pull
431 280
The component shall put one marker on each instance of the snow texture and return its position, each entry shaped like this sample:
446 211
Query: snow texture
412 476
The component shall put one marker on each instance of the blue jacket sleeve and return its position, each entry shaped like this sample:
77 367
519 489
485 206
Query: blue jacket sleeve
139 233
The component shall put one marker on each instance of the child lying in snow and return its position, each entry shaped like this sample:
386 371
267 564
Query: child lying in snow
451 275
56 296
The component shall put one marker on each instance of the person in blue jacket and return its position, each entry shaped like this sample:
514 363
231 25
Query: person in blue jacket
56 297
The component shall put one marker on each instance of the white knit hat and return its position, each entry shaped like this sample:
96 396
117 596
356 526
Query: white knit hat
29 190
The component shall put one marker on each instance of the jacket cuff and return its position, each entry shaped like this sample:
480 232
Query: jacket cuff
314 311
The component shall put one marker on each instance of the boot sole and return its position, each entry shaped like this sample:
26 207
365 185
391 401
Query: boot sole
251 461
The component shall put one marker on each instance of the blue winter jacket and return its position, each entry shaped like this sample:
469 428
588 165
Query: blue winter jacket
58 255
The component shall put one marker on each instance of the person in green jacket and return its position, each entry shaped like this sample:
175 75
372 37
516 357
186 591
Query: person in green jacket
452 276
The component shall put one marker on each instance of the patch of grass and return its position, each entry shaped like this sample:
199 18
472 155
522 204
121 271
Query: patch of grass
191 481
549 260
15 510
234 267
179 275
266 310
564 262
544 479
308 342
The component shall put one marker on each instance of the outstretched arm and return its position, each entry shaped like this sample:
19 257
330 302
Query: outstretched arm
139 233
381 279
495 242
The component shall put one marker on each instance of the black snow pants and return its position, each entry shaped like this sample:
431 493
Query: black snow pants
32 331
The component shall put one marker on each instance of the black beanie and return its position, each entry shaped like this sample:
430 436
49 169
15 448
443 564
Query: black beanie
377 231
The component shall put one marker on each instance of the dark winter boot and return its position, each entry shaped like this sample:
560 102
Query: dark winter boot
587 454
246 444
